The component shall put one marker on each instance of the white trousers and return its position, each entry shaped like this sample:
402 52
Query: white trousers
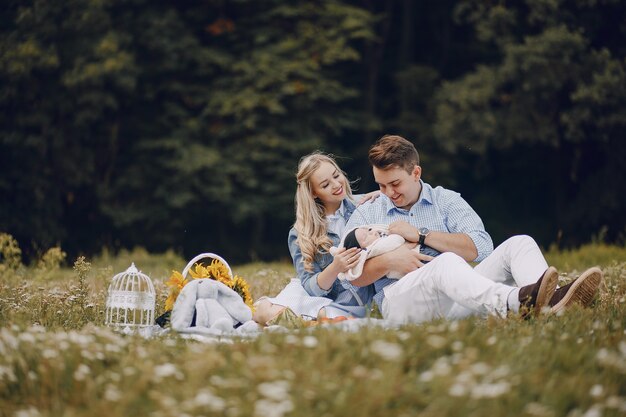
448 287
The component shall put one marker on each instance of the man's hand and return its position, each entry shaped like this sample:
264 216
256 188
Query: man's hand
405 260
404 229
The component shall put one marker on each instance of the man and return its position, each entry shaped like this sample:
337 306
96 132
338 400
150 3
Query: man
439 282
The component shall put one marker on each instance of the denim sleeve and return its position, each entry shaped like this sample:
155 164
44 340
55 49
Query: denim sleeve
307 278
461 218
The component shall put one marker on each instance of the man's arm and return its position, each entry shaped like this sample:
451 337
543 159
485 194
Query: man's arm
459 243
465 234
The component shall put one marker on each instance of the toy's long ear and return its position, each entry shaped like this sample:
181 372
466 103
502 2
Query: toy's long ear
233 304
182 313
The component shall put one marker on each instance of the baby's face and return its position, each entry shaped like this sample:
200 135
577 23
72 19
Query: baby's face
368 235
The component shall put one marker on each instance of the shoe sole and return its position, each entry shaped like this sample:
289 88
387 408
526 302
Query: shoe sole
546 289
582 291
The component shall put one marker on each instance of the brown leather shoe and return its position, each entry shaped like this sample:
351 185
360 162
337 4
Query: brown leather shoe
533 298
580 291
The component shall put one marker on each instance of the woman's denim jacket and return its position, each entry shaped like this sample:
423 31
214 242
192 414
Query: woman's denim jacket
321 261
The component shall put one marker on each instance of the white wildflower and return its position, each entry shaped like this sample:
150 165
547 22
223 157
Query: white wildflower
457 346
28 412
206 399
309 341
386 350
49 353
616 402
436 341
403 336
7 373
360 371
81 372
486 390
501 372
480 368
492 340
596 391
457 390
376 374
267 408
80 339
594 411
537 409
164 371
27 337
112 394
466 378
276 390
114 376
427 376
442 367
111 348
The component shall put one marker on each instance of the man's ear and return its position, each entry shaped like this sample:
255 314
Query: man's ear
417 172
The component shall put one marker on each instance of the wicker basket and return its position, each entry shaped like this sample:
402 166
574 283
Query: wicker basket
203 256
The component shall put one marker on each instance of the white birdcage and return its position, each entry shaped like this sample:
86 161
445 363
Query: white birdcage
131 300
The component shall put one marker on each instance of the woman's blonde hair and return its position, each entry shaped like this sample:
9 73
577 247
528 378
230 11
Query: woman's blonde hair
311 223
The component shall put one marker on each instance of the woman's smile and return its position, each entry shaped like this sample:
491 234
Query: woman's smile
339 191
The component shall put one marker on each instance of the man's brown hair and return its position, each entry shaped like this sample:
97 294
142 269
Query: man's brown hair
392 151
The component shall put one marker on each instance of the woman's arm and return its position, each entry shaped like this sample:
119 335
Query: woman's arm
318 282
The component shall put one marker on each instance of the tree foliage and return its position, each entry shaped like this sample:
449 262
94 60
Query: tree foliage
180 124
551 106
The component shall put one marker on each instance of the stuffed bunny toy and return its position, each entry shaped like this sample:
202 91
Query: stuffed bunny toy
217 308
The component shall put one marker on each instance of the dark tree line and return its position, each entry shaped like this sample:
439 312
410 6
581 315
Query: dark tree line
180 124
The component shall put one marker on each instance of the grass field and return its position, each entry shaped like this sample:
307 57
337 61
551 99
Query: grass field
58 359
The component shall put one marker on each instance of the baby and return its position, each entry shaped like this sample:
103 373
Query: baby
375 240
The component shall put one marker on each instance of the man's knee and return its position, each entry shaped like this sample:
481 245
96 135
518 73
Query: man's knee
520 240
448 258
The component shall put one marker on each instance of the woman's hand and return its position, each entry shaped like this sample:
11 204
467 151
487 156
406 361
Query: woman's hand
346 258
369 197
343 260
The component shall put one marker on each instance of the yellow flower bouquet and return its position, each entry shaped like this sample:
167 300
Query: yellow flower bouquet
218 270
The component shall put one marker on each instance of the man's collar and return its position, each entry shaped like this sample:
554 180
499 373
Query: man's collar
426 197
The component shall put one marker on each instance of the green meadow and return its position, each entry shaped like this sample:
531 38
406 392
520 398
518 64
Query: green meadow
57 358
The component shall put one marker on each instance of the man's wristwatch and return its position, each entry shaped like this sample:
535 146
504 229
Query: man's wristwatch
423 232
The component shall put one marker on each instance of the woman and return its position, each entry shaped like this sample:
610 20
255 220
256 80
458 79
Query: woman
324 203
